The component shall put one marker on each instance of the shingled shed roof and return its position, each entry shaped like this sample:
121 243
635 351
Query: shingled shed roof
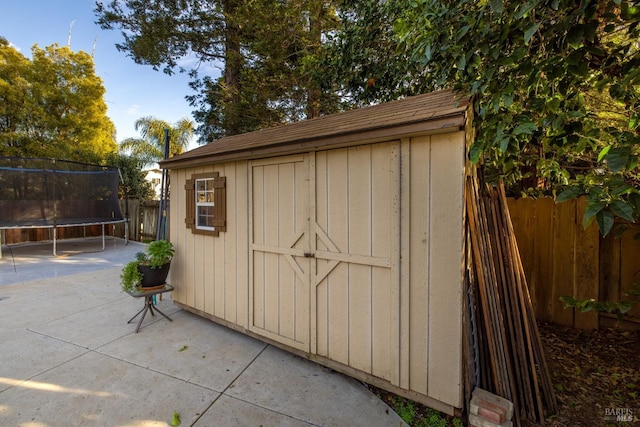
432 112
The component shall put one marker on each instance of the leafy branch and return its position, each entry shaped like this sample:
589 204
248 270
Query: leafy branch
619 308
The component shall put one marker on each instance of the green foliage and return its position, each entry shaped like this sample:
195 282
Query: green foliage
619 308
425 417
133 183
157 254
556 89
140 257
175 419
130 276
361 61
405 410
53 105
150 148
434 419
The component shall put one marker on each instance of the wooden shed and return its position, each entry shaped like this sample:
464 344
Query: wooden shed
339 239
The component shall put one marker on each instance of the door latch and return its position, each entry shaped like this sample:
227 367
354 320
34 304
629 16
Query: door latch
309 255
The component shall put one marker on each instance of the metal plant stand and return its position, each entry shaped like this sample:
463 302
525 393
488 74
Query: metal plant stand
148 302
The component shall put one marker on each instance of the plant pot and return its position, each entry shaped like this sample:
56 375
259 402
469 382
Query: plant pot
153 276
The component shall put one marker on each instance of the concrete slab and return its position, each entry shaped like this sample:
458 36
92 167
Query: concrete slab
95 389
20 362
231 412
101 324
46 300
208 354
287 384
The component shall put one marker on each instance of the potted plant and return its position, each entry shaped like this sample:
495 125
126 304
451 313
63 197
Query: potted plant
150 268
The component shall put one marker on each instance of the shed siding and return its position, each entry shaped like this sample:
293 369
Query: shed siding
435 265
446 267
382 292
419 244
211 274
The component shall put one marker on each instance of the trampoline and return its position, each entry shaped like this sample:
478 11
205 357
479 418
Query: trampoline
49 193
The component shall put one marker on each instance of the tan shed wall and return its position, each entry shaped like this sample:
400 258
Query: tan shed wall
211 273
379 291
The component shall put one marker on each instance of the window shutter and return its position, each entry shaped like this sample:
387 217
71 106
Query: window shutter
190 192
220 203
220 186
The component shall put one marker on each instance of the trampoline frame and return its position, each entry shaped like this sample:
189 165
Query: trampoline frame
55 227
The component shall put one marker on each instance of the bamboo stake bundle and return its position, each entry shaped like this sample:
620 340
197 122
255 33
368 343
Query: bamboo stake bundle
506 322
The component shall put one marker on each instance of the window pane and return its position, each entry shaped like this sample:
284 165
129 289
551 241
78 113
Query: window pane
205 216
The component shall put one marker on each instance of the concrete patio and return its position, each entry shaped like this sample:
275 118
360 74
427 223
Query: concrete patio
69 358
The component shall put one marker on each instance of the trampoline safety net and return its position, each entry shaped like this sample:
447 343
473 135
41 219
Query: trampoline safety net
50 193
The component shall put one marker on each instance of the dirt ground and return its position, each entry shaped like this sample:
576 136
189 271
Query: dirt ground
596 376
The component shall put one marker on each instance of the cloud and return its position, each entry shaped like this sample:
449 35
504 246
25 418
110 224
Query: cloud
133 110
14 46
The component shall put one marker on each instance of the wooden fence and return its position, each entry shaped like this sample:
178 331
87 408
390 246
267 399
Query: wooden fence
143 219
560 258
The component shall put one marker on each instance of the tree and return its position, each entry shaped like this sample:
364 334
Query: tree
53 105
150 148
361 61
263 46
544 74
13 100
133 183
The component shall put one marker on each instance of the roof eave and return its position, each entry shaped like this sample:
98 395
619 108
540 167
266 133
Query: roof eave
376 134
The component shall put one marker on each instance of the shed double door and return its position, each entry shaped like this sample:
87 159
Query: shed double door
325 254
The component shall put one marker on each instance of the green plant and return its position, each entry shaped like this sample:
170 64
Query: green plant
158 253
130 276
619 308
175 419
434 419
405 410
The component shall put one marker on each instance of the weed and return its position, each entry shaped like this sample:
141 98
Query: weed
405 409
434 419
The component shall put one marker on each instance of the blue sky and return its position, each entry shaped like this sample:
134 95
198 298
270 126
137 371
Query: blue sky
132 91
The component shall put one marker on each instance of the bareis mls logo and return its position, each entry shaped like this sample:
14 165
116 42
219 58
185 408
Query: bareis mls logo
620 414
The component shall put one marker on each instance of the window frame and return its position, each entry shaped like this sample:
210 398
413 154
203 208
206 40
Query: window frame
218 203
209 202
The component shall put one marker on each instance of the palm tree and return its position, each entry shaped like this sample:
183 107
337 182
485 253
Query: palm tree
150 147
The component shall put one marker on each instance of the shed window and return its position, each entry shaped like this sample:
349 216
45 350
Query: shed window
206 203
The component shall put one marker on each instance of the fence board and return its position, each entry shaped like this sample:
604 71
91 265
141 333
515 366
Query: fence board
629 268
563 261
609 268
587 271
130 208
542 231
